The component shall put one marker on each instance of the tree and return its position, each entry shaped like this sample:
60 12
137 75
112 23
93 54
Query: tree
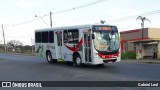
15 44
143 19
102 21
27 48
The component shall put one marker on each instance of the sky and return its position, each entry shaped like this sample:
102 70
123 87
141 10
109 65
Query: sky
15 15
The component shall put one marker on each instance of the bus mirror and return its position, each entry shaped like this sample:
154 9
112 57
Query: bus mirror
93 36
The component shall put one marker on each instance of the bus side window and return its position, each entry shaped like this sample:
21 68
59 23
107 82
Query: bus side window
45 37
51 37
65 36
73 36
38 37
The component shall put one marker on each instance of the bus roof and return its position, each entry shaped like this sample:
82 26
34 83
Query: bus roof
71 27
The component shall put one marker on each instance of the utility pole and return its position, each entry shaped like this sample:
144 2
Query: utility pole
51 19
4 38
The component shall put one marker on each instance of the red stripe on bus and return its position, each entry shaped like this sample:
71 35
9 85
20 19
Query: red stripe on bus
74 49
108 56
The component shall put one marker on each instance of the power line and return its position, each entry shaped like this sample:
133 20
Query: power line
131 17
58 12
83 6
78 7
147 7
29 21
141 4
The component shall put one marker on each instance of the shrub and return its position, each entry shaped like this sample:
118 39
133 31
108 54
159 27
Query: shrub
131 55
128 55
123 55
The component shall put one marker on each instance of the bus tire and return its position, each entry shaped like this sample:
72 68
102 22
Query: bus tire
77 61
49 58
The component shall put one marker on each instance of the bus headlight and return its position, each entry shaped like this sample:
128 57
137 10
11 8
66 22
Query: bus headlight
96 55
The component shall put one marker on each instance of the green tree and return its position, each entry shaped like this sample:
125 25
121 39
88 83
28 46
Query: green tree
102 21
143 19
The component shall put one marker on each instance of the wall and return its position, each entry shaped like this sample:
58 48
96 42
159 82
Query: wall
154 33
148 49
134 34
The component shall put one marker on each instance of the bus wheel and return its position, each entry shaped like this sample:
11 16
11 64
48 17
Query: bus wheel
77 61
49 58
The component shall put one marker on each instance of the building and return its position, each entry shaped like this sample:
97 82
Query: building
146 44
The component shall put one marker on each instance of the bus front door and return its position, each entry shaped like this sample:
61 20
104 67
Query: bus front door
59 45
87 47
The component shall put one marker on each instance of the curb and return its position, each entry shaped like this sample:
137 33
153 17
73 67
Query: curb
148 61
18 53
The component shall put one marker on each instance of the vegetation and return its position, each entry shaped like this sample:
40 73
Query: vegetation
128 55
15 46
102 21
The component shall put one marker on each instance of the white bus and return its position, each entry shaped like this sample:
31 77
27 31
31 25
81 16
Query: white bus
80 44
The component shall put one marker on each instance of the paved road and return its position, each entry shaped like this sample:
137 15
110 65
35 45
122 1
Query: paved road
20 67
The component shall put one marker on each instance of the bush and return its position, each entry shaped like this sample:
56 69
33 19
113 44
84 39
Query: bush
128 55
131 55
123 55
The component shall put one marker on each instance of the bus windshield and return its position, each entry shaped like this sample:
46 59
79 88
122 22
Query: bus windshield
106 40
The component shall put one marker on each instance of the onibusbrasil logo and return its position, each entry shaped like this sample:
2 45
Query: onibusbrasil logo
20 84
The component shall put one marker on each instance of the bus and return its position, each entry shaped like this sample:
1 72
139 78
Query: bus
79 44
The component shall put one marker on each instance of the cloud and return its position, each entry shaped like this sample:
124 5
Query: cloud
27 4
